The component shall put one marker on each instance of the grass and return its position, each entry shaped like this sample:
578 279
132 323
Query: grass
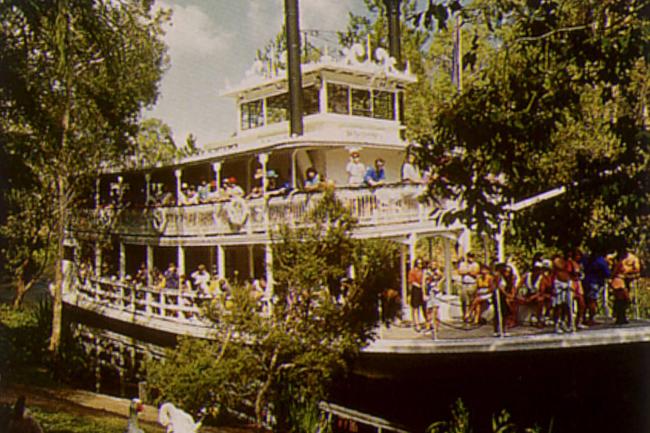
62 422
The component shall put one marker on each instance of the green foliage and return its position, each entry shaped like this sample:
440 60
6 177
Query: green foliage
25 334
558 101
460 423
76 75
155 145
279 362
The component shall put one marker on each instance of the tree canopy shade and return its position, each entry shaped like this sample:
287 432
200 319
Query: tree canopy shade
561 100
74 76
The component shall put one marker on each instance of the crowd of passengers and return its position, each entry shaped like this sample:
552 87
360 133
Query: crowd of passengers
359 175
545 291
543 295
200 282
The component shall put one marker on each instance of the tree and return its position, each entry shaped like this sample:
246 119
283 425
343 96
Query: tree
285 358
76 76
562 101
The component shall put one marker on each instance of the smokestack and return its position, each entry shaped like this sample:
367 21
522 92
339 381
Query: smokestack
394 37
295 75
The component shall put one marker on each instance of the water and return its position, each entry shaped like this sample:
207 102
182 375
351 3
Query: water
600 389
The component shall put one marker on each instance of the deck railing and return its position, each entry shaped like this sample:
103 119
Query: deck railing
389 204
175 305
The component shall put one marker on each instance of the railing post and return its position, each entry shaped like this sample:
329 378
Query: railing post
147 188
178 173
148 299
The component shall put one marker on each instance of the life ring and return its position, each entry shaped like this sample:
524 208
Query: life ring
158 220
106 216
237 211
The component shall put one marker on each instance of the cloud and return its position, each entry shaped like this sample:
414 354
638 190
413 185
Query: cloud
193 33
325 15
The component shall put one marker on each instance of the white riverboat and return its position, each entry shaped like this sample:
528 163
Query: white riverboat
351 104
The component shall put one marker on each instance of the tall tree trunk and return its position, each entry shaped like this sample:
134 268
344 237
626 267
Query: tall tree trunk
57 301
261 394
20 292
61 217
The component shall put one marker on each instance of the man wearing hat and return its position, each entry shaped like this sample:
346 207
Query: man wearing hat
356 169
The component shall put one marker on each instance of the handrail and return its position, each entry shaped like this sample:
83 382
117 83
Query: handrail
379 423
169 304
388 204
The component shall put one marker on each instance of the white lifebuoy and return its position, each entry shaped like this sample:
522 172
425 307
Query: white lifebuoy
158 220
106 216
237 211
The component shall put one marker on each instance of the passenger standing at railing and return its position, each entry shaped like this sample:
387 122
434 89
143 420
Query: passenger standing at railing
356 169
141 275
203 191
232 189
312 180
416 301
201 279
171 277
375 176
628 266
184 284
258 179
410 172
192 196
596 271
468 269
273 186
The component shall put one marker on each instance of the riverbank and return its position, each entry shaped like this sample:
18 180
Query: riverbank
62 409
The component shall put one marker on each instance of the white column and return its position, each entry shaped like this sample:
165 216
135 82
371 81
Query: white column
98 183
150 258
447 255
179 181
396 106
221 261
323 97
402 257
413 239
251 262
465 241
294 174
147 188
98 259
180 252
263 158
216 167
122 274
501 236
268 262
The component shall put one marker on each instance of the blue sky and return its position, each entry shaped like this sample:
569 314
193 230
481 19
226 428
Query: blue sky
212 42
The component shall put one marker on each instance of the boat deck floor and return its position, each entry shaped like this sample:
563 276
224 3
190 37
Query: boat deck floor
458 337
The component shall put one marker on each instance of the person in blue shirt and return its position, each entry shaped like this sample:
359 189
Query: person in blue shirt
596 271
375 175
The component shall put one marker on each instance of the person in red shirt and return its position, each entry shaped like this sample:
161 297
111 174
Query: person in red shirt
416 294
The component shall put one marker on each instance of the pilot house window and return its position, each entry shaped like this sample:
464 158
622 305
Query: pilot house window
361 103
383 105
337 99
252 114
310 100
277 108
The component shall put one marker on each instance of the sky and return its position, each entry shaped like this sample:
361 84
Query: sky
214 42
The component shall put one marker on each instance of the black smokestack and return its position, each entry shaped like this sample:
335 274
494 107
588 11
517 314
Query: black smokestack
295 75
394 36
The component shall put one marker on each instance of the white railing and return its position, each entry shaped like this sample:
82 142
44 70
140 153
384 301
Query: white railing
168 304
389 204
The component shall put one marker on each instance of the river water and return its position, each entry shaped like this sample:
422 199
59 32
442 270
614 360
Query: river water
599 389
